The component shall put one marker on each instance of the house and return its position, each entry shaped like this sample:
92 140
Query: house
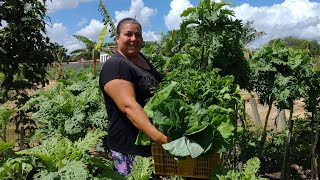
104 55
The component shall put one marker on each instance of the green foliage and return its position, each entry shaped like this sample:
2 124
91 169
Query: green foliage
248 172
249 33
25 50
107 20
70 108
141 169
272 156
4 146
87 52
6 116
213 38
9 169
206 87
59 53
300 44
278 73
57 157
197 114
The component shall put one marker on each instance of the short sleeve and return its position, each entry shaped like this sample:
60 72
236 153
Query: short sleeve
116 69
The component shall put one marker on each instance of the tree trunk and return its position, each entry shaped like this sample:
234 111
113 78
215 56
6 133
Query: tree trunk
264 135
94 63
315 129
256 115
21 137
287 146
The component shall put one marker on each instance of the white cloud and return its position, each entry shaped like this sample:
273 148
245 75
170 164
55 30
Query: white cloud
92 31
56 5
58 33
299 18
82 22
173 19
151 36
138 11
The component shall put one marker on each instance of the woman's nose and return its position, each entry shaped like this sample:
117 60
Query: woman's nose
133 37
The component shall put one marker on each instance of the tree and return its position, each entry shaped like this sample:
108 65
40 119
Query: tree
249 33
85 52
283 75
25 51
59 53
297 43
213 36
92 49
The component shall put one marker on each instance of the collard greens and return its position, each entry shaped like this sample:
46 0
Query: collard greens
192 128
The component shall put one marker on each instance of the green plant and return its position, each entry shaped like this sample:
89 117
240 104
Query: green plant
197 114
141 169
248 172
60 158
6 115
70 108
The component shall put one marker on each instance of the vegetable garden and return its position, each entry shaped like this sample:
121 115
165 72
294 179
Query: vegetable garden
199 105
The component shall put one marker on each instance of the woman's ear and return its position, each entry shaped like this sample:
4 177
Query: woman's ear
117 38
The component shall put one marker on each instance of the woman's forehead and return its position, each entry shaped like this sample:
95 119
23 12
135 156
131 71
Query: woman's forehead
130 27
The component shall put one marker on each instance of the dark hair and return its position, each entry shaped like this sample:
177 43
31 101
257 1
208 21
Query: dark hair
127 21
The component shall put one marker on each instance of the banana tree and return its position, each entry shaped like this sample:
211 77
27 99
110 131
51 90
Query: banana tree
92 48
59 53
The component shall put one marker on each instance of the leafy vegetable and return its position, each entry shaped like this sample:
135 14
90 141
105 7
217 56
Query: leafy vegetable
193 125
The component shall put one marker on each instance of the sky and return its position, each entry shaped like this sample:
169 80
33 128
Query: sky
277 18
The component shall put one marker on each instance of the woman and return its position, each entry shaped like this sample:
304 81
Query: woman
127 80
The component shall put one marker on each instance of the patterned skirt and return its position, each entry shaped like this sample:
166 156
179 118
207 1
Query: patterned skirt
122 162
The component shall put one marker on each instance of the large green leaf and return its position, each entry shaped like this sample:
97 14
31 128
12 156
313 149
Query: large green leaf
102 36
203 136
158 98
183 147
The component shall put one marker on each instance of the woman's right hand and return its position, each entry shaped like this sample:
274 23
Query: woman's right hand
162 139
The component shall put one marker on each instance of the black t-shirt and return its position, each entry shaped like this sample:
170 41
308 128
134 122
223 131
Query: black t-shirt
121 132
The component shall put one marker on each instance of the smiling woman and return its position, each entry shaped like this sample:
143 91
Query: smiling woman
127 81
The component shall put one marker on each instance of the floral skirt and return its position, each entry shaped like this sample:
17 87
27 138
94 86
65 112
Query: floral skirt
122 162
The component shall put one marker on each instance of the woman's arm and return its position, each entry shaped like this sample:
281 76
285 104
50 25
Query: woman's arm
123 94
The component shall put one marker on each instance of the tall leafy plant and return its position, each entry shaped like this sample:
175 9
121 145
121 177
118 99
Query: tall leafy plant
25 50
283 75
214 35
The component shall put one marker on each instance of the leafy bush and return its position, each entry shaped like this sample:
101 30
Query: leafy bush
70 108
60 158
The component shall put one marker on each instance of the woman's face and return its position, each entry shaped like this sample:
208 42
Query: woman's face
129 41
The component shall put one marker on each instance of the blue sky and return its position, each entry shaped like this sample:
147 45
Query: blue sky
278 18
